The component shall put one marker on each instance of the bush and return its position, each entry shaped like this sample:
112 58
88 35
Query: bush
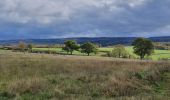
113 54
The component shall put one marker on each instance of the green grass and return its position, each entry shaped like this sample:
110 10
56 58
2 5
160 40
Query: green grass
59 50
158 54
163 87
4 51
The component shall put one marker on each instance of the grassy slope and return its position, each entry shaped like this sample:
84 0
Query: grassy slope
156 56
43 77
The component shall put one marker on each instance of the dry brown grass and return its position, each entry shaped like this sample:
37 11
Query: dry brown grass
33 85
75 77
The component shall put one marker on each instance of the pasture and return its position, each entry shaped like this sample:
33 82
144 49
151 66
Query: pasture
157 55
26 76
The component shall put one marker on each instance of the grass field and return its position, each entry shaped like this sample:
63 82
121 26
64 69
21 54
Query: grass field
158 54
26 76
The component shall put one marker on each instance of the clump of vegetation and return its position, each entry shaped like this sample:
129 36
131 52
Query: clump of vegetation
119 51
70 46
143 47
30 46
88 48
162 45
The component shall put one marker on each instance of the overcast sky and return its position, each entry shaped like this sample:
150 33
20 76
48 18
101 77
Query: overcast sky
83 18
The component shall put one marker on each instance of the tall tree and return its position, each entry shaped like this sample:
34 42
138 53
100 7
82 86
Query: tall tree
143 47
70 46
88 48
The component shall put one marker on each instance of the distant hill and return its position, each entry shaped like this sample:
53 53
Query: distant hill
104 41
160 39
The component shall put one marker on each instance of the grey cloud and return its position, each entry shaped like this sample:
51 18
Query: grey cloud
66 18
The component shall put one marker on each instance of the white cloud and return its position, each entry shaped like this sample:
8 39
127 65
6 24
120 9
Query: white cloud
59 17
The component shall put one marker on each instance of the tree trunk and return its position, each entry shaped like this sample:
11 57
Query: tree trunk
142 56
88 54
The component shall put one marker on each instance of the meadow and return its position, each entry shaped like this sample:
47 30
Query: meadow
157 55
26 76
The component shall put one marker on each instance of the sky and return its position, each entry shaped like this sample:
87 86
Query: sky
34 19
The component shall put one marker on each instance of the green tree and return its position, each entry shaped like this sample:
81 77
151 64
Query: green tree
29 46
119 51
88 48
143 47
70 46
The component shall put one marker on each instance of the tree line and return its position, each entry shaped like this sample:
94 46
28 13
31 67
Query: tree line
141 47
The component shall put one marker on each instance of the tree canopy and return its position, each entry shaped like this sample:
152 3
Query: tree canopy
30 46
70 46
88 48
143 47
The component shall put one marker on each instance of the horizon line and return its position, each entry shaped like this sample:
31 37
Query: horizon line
80 37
